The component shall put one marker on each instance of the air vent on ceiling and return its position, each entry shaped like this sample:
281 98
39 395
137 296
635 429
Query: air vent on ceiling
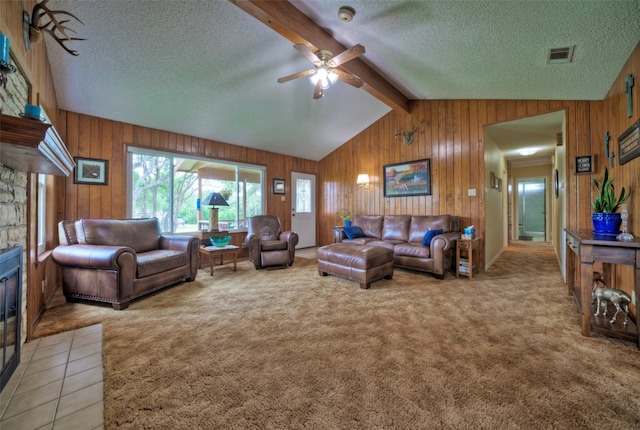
560 55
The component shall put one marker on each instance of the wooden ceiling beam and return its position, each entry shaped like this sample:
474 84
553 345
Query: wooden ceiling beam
292 24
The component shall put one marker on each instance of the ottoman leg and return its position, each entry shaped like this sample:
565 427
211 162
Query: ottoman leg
321 273
365 285
389 276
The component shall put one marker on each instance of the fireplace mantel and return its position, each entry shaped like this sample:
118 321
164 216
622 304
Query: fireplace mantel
32 146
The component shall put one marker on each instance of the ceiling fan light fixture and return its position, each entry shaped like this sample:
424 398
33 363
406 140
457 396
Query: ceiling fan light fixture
333 77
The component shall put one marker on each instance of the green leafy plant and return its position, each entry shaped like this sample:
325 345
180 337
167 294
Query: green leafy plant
343 214
606 200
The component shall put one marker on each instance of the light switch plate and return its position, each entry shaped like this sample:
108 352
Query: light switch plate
471 192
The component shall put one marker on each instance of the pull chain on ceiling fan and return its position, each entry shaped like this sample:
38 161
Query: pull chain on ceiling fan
325 72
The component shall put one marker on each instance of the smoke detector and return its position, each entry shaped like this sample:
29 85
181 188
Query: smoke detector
345 14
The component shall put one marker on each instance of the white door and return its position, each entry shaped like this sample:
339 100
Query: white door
303 208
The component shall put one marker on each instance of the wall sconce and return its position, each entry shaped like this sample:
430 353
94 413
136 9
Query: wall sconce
363 180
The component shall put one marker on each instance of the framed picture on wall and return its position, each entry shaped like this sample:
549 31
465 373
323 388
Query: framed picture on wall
411 178
278 186
90 171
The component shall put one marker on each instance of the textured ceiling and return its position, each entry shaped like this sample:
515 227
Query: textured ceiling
207 69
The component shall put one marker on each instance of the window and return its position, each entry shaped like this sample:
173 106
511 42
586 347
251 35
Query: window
173 189
42 213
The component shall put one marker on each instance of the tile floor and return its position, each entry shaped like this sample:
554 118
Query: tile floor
57 385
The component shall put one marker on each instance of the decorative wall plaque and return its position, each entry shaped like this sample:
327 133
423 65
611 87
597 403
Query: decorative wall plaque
629 144
584 164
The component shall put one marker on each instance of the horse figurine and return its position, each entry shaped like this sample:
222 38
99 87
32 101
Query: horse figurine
605 295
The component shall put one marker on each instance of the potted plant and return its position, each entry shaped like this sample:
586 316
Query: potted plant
606 220
344 214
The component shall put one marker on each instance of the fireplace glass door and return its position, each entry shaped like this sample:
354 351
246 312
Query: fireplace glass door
10 305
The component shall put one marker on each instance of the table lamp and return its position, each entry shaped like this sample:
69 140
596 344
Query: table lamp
213 200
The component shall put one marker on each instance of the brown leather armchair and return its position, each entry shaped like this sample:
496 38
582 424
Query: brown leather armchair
268 245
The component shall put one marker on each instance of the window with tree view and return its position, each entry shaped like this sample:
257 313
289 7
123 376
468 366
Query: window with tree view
173 189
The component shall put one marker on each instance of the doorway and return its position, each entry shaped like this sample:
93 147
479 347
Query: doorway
303 208
532 209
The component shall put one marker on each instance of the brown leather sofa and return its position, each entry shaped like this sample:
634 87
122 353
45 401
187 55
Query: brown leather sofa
118 260
404 235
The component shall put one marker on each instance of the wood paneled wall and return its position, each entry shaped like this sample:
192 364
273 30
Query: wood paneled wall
451 134
34 65
88 136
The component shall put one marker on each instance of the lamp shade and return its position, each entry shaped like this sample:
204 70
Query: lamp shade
363 179
215 199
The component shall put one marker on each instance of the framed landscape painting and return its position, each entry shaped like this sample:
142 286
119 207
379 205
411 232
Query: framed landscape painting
411 178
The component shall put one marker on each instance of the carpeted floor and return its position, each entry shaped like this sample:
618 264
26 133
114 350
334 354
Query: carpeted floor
290 349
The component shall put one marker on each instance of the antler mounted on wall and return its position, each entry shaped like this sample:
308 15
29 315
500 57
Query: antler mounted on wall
407 136
33 28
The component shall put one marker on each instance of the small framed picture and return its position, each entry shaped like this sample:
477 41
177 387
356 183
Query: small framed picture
278 186
90 171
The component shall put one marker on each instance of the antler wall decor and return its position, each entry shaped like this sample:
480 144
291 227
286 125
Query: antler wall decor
407 136
33 28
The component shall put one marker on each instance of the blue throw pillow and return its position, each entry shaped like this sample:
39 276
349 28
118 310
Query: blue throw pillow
429 235
353 232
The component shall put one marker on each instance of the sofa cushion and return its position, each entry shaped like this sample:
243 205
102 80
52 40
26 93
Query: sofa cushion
353 232
412 250
158 261
420 224
396 228
141 234
371 225
273 245
429 235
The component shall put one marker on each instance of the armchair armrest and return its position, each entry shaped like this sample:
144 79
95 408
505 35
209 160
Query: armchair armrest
253 246
291 237
91 256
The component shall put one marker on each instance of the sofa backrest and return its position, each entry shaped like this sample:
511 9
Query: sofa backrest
420 224
141 234
396 228
371 225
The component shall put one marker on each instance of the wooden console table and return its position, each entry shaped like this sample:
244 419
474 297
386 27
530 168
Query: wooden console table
583 249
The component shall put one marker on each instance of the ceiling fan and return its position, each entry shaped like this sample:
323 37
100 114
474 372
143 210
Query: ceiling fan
325 71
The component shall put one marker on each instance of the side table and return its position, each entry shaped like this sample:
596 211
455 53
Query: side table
213 251
468 247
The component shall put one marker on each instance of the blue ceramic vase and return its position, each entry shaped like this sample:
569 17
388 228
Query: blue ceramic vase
606 223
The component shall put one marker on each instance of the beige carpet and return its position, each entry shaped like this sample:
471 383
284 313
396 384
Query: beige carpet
290 349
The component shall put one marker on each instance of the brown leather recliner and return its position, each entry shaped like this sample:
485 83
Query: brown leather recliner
268 245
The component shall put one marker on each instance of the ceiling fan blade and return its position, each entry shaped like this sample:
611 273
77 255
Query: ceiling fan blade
349 78
296 76
318 92
349 54
307 53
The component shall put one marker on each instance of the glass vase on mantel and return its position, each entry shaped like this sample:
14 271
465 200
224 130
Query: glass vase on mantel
625 236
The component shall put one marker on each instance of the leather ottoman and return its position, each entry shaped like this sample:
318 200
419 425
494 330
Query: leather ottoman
360 263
